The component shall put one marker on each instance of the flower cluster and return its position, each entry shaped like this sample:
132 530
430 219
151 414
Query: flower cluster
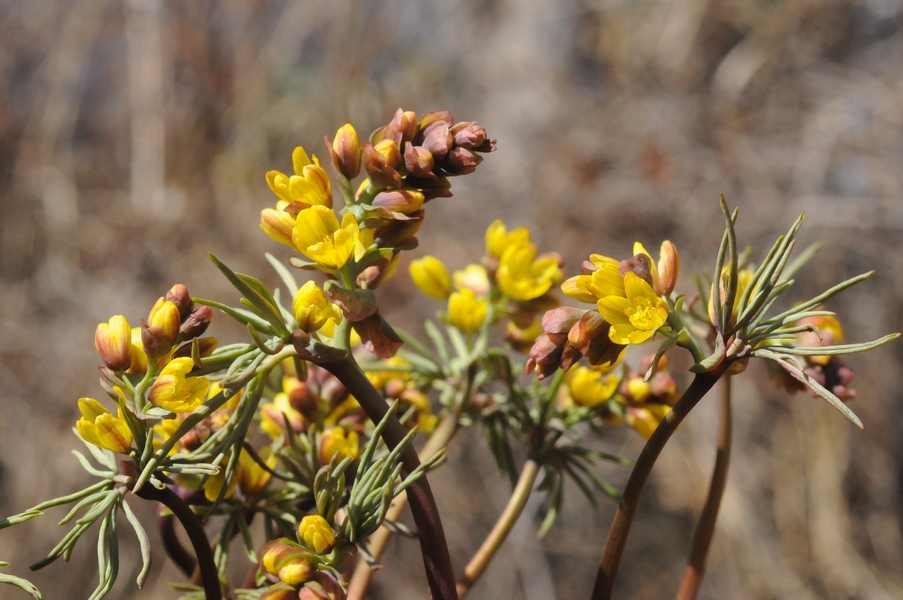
513 280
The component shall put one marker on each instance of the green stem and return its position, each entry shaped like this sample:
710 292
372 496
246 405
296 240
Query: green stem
685 339
630 499
502 528
433 547
705 529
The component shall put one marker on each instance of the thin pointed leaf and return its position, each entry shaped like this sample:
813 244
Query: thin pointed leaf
143 544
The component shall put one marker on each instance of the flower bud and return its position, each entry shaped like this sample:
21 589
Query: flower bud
315 533
668 268
432 117
390 152
561 319
278 224
285 561
113 342
404 201
437 139
461 161
179 296
639 265
378 169
165 316
196 323
136 350
545 355
418 161
469 135
402 128
590 336
588 387
431 277
392 233
638 390
371 277
335 442
322 586
312 308
467 311
347 151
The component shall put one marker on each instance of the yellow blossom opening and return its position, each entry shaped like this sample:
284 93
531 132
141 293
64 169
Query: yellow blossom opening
498 239
174 390
589 388
98 426
522 276
635 317
309 185
337 442
318 236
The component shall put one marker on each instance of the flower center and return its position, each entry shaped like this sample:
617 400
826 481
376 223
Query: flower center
642 314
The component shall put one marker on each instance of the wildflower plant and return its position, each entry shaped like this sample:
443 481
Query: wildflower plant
300 440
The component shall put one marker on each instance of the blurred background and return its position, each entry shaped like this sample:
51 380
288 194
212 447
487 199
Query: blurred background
134 138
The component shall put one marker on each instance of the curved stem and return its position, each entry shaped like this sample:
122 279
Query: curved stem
174 549
620 526
376 545
433 547
502 528
705 529
196 534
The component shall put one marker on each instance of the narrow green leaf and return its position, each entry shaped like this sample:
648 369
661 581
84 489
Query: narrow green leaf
143 544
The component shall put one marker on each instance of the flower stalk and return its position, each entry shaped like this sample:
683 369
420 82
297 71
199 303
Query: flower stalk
630 498
501 529
705 529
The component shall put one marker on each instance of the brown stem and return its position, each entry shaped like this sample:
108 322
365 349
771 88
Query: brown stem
502 528
376 545
174 549
620 526
196 535
705 529
433 547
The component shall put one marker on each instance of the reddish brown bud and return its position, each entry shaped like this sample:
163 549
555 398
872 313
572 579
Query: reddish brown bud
303 399
561 319
461 161
402 128
438 140
391 233
196 323
590 336
433 117
179 296
155 340
469 135
113 342
668 268
418 161
378 169
639 266
545 355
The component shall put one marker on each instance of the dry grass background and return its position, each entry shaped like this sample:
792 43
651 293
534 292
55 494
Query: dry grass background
134 137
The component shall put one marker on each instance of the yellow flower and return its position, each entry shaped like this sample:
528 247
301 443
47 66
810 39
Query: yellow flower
272 420
605 281
473 278
175 391
645 420
637 315
250 475
309 185
431 276
467 311
588 387
498 238
99 427
287 561
113 342
312 308
318 236
214 485
335 441
316 534
522 276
